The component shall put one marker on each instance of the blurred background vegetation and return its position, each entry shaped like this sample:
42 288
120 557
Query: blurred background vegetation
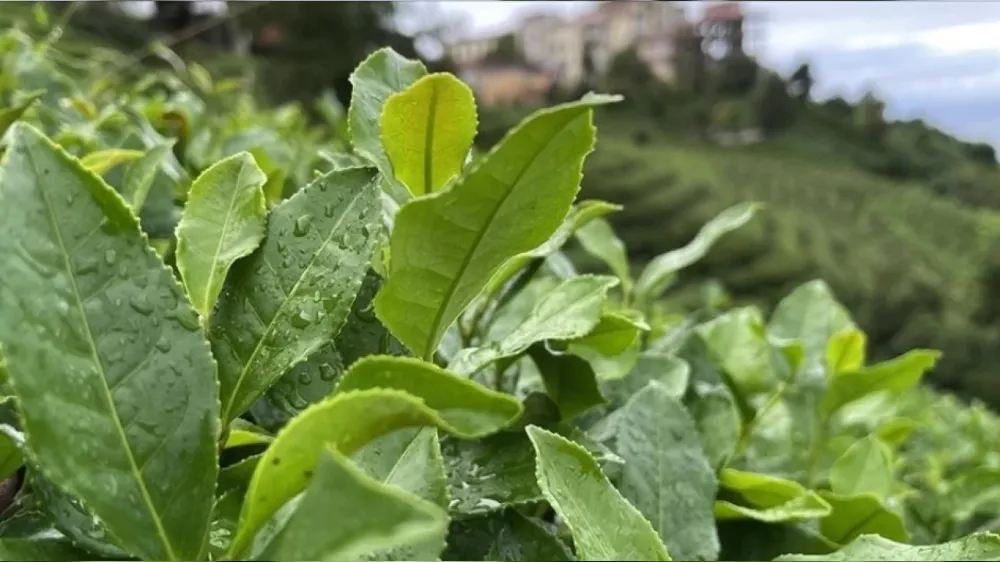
898 217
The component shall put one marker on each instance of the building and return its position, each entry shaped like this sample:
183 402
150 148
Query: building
575 51
500 83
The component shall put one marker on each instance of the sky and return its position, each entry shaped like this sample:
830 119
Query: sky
939 61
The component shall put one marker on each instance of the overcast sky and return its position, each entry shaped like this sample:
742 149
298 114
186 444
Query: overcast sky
936 60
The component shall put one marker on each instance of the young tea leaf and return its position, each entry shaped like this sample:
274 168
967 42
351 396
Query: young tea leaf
373 82
570 310
894 375
390 517
506 536
569 380
284 301
660 273
605 525
770 499
666 475
427 131
224 220
846 351
812 315
128 422
101 161
139 175
447 246
600 241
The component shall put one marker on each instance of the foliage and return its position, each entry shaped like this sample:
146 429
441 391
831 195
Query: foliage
392 358
774 107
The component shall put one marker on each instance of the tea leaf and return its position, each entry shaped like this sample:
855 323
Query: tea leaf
894 375
427 131
103 160
569 380
284 301
666 475
140 174
600 241
661 271
570 310
373 82
447 246
978 546
812 315
9 115
866 467
504 535
349 420
224 220
770 499
390 517
846 351
129 421
605 525
853 516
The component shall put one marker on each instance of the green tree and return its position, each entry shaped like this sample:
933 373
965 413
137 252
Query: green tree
736 75
630 76
801 82
869 116
774 107
506 51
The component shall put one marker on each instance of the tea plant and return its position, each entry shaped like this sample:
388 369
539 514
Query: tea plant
395 360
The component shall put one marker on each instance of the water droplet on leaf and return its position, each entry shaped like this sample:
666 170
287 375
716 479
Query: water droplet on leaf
302 225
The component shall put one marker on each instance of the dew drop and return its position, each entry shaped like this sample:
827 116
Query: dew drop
327 373
305 377
163 344
110 257
141 304
302 225
70 197
303 319
187 318
329 209
87 266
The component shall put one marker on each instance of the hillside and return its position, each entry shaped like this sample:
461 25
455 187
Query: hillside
906 260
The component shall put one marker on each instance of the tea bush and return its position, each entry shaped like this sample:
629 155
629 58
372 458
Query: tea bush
241 343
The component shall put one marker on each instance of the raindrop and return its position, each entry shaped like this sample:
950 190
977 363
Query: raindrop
163 344
487 503
305 377
70 197
327 372
281 246
141 304
110 257
303 319
123 271
329 209
302 225
87 266
187 318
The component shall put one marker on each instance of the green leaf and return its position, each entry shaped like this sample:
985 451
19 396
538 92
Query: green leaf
812 315
490 474
373 82
769 499
503 535
349 420
612 347
129 422
242 432
894 375
75 521
661 271
605 525
669 371
459 401
446 247
581 213
737 341
865 467
599 240
101 161
10 454
48 546
570 310
979 546
853 516
390 518
362 335
140 175
286 300
569 380
224 219
409 459
846 351
666 475
427 131
9 115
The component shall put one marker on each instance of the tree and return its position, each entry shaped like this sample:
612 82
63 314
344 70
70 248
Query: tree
774 107
736 74
869 116
506 51
689 61
801 82
630 76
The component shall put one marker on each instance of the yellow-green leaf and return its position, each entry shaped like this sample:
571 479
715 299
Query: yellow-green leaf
846 351
599 240
865 467
894 375
861 514
978 546
767 498
223 220
427 131
103 160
